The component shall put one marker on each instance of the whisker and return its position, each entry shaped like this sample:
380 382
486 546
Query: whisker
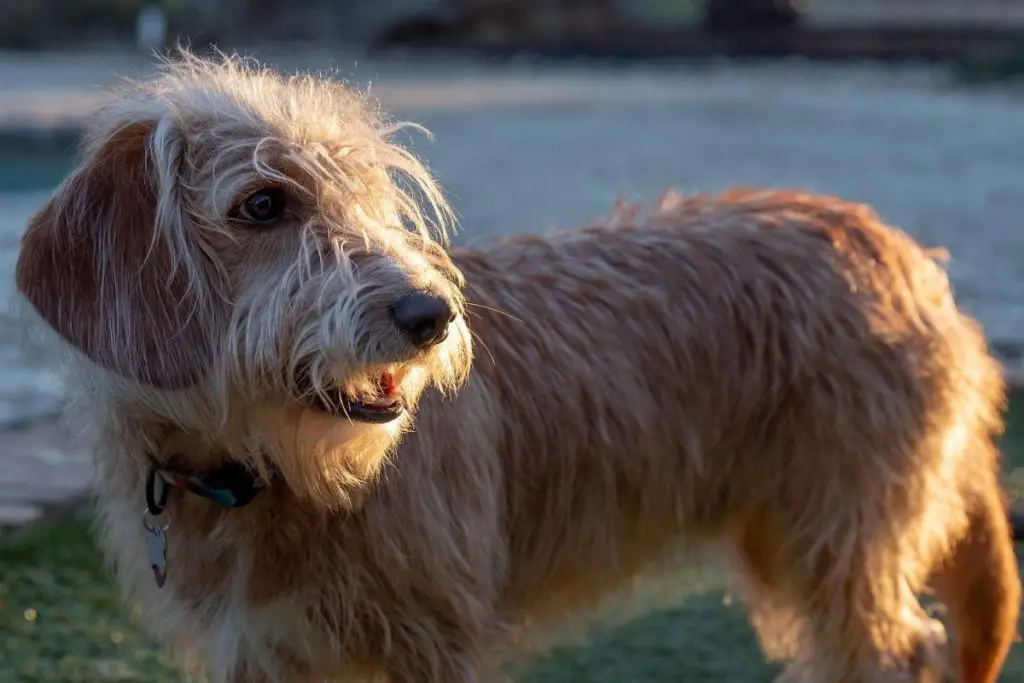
480 341
496 310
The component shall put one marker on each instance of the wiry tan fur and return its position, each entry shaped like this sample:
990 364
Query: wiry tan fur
776 373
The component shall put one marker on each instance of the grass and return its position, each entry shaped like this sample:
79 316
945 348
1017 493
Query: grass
61 620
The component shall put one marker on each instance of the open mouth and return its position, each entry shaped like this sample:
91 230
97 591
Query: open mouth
385 406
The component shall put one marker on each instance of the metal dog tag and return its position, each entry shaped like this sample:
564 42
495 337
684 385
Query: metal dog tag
156 544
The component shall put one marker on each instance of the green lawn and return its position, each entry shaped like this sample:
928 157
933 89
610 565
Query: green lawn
61 621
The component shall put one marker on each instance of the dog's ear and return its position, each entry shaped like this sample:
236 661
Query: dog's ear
97 268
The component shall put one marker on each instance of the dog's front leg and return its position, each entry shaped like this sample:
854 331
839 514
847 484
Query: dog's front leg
272 665
447 663
265 677
454 669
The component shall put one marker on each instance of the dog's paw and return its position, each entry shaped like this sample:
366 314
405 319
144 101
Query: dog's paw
933 661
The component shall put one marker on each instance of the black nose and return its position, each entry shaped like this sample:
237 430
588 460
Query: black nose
423 317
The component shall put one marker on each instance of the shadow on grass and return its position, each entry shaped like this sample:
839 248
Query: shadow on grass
700 640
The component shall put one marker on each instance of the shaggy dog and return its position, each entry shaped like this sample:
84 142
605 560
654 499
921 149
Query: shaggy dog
258 305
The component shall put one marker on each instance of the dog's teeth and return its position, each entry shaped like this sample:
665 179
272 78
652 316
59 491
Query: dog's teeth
385 402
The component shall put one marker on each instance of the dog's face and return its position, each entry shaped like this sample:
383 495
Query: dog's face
249 256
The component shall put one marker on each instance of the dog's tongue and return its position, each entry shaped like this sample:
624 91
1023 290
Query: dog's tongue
389 396
388 384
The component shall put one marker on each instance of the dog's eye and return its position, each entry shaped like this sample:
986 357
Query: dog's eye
263 206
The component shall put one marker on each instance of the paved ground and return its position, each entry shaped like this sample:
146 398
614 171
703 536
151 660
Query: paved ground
525 148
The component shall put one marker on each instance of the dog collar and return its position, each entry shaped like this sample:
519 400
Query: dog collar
232 485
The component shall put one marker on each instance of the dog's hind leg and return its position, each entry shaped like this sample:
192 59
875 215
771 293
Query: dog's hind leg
844 622
835 593
757 579
980 585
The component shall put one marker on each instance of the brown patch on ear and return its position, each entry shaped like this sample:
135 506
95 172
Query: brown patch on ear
90 266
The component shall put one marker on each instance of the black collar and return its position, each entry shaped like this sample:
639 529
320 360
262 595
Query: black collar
232 485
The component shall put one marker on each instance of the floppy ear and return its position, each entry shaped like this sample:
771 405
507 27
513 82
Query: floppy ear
95 266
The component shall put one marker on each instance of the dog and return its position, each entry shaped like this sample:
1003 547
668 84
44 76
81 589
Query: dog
304 475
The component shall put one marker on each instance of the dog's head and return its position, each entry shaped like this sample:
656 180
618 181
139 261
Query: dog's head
252 257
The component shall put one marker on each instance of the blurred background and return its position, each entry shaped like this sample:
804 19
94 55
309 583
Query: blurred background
544 113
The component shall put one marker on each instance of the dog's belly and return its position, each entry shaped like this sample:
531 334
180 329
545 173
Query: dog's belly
548 601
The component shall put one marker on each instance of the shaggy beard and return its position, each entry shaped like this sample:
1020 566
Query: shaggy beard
327 457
